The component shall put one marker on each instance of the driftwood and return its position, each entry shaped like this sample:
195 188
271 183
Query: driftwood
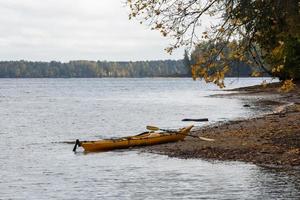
195 120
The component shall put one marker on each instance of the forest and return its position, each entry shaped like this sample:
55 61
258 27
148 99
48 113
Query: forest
91 69
98 69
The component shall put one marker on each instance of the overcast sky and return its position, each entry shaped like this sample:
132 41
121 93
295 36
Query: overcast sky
63 30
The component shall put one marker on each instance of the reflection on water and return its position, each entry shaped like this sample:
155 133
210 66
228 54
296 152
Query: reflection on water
39 115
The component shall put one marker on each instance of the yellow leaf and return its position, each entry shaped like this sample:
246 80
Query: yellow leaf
287 86
255 74
221 30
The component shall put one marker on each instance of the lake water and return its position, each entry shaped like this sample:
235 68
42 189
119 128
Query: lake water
38 117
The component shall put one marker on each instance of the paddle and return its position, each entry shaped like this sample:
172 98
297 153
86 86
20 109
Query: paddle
77 144
154 128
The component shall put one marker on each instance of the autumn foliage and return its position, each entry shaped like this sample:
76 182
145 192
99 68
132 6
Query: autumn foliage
266 33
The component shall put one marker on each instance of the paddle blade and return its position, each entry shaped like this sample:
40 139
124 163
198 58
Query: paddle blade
152 128
206 139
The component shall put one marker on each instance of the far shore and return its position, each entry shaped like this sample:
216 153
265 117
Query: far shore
270 140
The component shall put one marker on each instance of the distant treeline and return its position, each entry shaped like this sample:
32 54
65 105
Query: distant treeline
91 69
98 69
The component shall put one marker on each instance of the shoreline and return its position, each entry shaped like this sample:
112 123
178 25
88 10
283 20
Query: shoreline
269 140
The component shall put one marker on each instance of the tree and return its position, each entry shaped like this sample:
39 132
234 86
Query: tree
187 62
268 30
226 60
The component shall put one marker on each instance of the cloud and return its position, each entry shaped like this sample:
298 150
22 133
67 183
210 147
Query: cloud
76 29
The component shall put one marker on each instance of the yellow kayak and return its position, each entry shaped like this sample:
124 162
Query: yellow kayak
147 138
